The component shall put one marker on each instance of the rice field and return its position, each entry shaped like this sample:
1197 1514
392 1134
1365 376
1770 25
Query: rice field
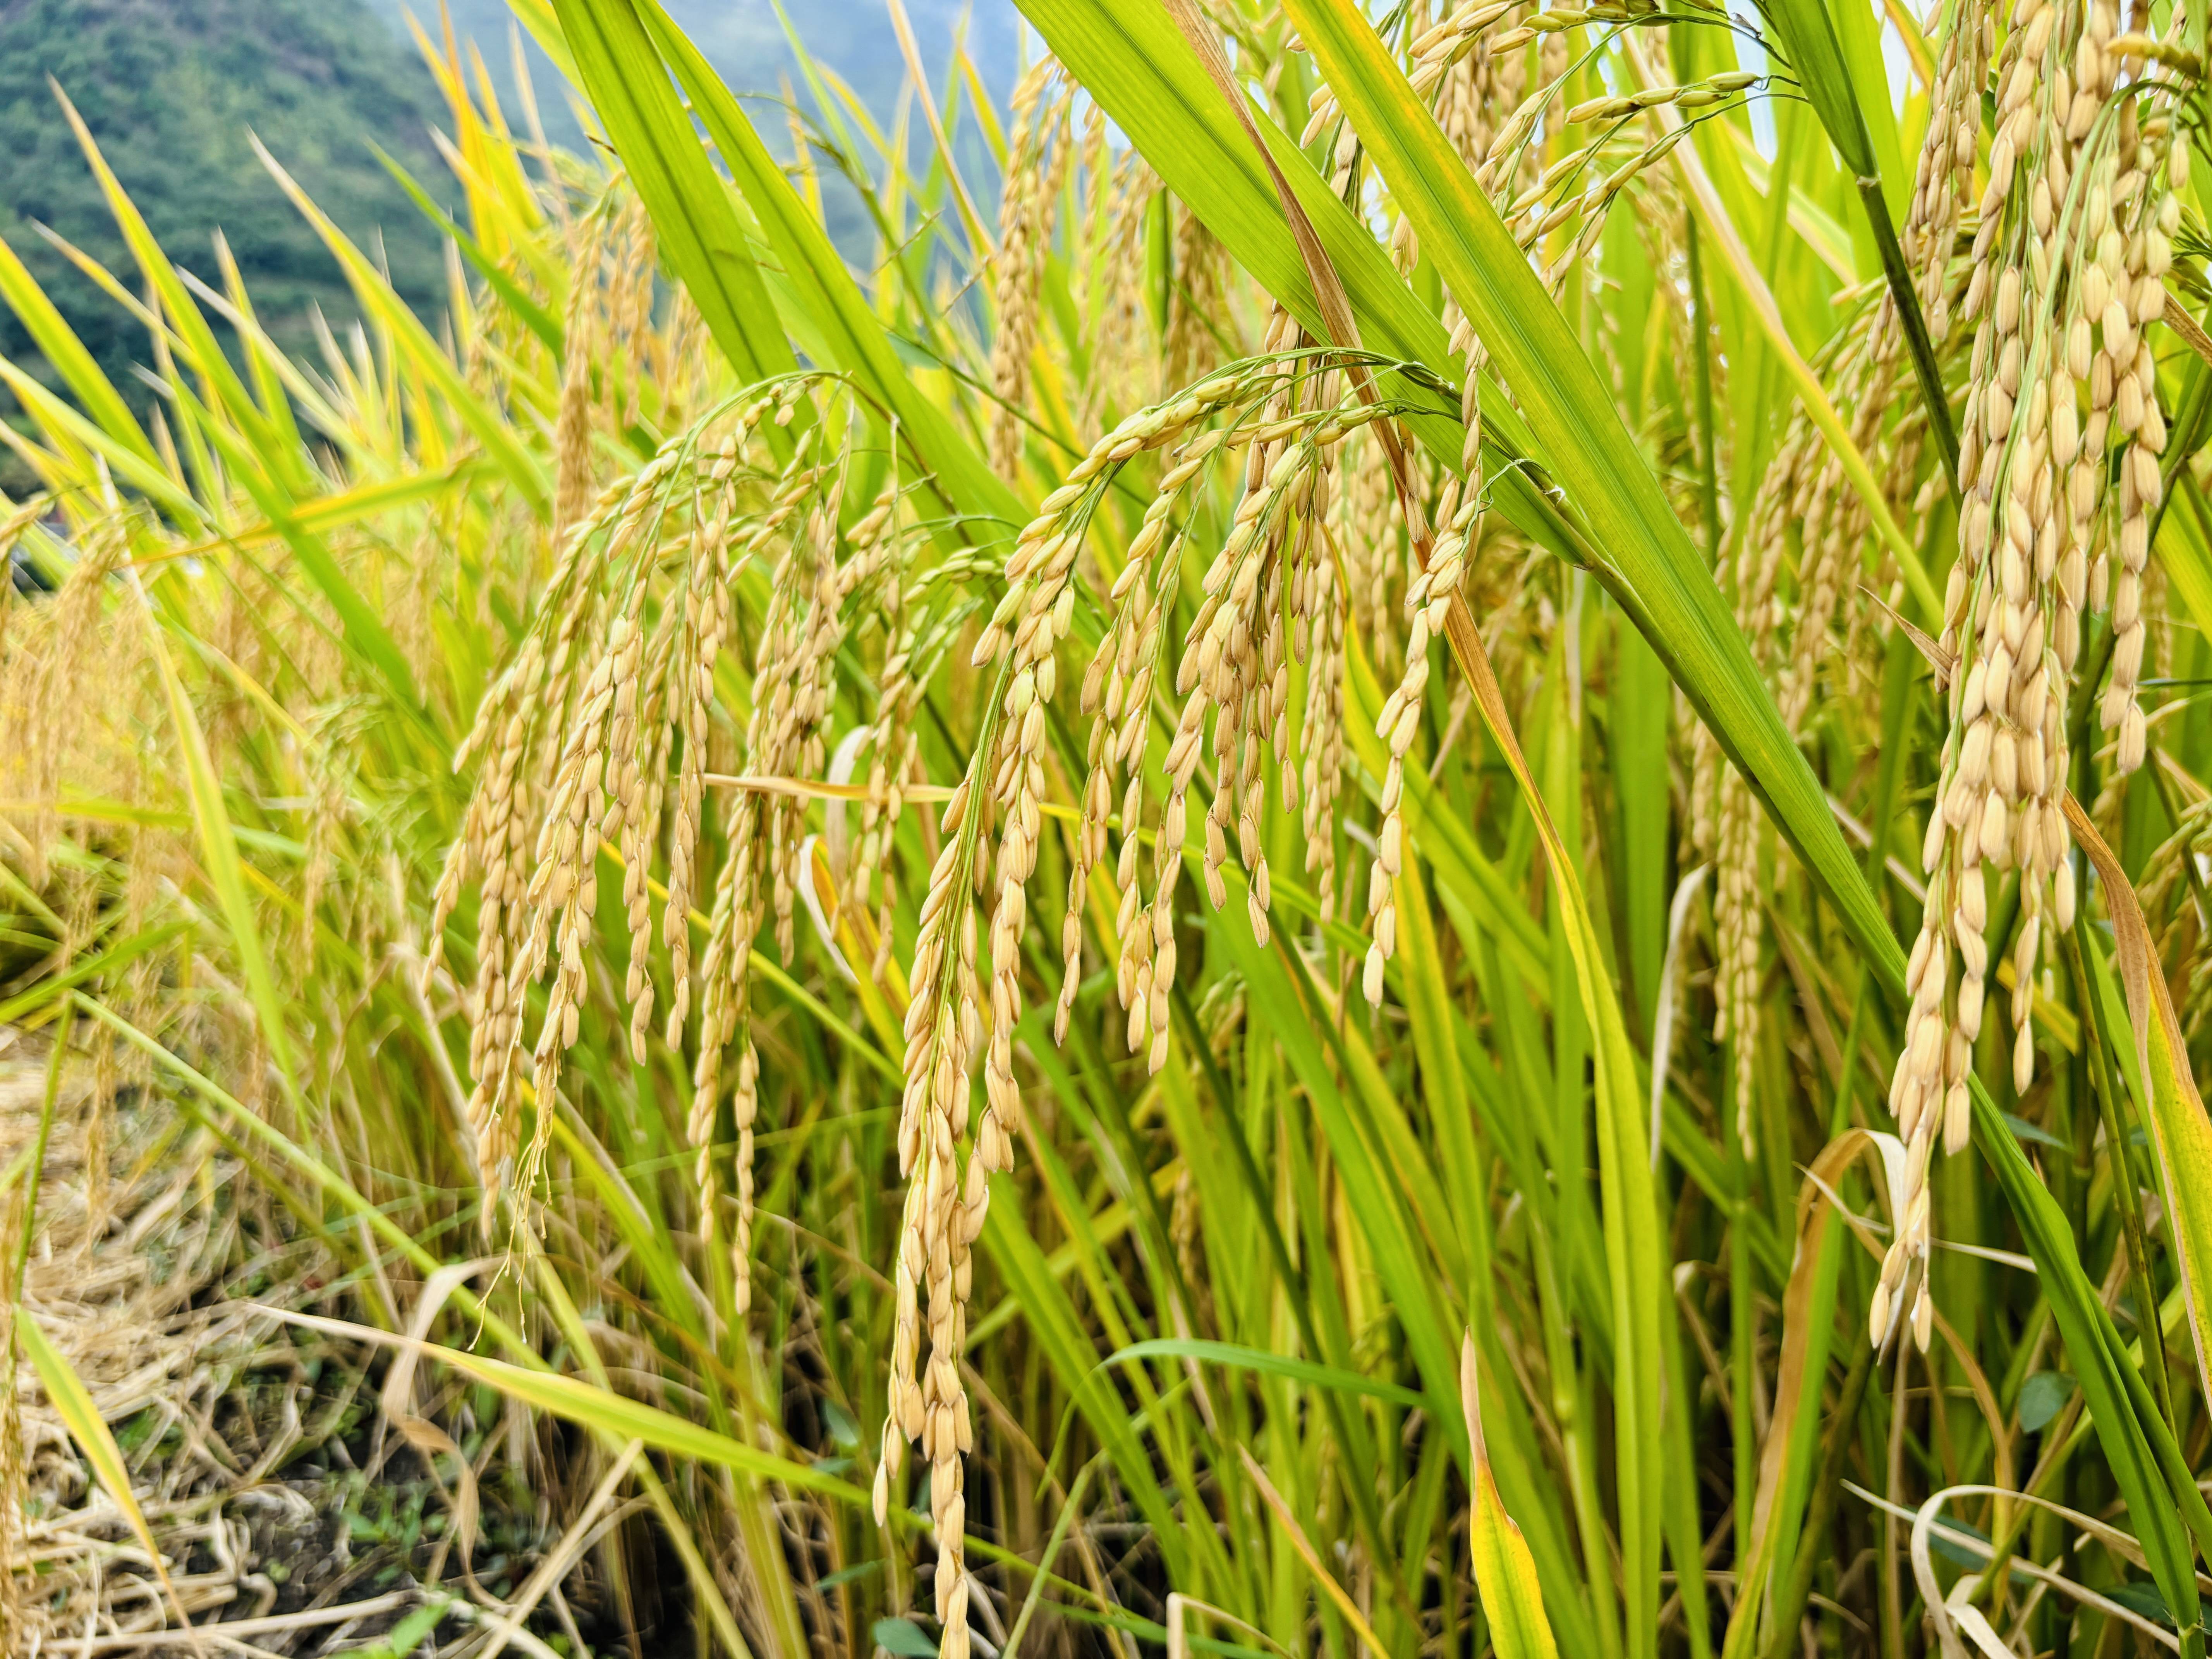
1401 853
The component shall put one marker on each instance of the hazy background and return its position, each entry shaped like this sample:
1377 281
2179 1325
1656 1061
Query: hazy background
169 88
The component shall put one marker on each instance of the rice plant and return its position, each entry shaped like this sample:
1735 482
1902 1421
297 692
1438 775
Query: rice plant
1236 910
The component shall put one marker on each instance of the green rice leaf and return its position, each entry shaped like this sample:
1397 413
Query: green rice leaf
50 332
488 425
219 858
1238 1358
852 332
706 244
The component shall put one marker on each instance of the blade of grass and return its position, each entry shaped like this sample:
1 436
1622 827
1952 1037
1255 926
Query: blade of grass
488 425
58 343
1720 229
202 350
24 1003
360 627
707 247
342 508
852 332
219 858
72 1402
2166 1091
1067 1349
72 426
532 316
1326 1580
1238 1358
981 244
1503 1569
1825 69
1808 1314
575 1400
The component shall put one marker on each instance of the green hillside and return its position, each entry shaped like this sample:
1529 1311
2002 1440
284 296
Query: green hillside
170 91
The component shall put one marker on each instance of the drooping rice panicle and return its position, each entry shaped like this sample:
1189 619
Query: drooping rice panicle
2069 260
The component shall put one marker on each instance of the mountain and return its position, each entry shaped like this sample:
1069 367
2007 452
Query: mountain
170 88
